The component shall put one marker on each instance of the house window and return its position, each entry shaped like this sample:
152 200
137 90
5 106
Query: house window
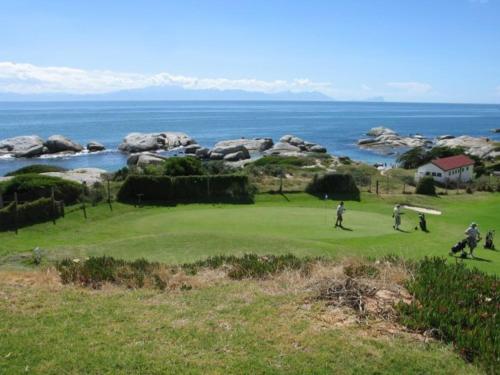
439 175
427 173
433 174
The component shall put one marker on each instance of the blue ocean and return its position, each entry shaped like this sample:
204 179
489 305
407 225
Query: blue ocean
336 125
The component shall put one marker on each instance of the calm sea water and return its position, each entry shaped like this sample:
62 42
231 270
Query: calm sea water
336 125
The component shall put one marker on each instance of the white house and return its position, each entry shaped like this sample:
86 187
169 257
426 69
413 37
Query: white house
451 169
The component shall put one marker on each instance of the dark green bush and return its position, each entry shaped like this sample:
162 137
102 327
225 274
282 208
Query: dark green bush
29 213
121 174
183 166
289 161
235 188
426 186
462 304
252 265
36 168
30 187
333 184
217 167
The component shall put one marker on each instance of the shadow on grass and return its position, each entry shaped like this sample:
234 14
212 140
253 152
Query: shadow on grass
345 228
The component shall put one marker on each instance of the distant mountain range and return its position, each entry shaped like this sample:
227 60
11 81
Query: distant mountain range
170 93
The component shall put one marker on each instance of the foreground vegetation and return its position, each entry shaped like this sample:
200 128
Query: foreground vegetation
274 323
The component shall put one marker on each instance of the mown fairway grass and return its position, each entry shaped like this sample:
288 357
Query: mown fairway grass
296 223
247 326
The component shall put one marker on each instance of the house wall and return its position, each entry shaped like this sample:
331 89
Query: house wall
463 174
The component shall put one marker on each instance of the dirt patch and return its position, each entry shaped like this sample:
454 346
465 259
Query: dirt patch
422 210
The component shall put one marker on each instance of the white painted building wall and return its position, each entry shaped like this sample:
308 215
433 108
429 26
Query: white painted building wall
462 174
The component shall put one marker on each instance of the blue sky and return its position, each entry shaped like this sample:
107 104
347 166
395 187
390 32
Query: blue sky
440 50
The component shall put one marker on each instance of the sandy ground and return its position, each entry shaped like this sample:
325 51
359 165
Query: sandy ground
423 210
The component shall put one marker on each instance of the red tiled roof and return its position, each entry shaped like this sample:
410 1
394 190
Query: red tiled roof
453 162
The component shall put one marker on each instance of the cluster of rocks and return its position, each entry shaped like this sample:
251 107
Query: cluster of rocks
387 141
235 150
141 142
27 146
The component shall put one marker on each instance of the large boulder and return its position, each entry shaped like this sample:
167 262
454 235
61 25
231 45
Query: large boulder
284 149
89 176
252 145
23 146
230 149
202 153
191 149
379 130
497 130
59 143
235 156
140 142
145 159
290 145
94 146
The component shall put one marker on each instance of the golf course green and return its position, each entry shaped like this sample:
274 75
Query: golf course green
276 224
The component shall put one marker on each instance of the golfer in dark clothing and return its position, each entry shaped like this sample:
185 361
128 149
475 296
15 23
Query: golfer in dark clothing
340 213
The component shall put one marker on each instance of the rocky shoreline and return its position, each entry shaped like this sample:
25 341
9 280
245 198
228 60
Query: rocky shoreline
29 146
387 142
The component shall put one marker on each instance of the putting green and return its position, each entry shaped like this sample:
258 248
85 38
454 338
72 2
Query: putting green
299 224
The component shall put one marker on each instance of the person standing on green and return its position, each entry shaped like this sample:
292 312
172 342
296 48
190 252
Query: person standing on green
396 214
340 212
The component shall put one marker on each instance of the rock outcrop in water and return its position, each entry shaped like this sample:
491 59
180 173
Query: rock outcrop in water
59 143
23 147
141 142
94 146
290 145
27 146
387 141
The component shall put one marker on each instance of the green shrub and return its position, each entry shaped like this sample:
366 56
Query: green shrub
29 213
36 168
234 188
30 187
96 271
217 167
333 184
426 186
183 166
289 161
461 304
252 265
121 174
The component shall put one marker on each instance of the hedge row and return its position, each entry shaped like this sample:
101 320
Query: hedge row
186 188
29 213
30 187
333 184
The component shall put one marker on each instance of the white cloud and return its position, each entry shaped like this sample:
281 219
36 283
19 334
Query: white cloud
28 79
411 87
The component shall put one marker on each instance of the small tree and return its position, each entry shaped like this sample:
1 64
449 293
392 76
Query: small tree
183 166
426 186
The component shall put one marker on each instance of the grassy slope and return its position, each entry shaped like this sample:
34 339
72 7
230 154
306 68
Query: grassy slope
234 327
301 224
230 327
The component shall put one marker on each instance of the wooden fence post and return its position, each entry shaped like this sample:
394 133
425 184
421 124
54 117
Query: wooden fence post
1 201
109 195
53 201
376 187
84 208
15 212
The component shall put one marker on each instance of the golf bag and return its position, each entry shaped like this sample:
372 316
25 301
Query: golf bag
488 242
459 246
422 222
